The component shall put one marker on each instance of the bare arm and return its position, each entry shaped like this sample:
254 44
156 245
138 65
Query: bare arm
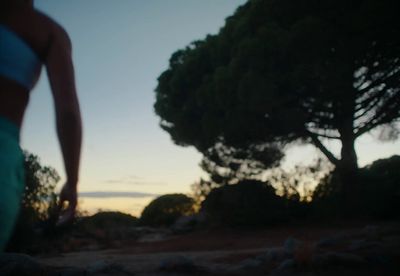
60 72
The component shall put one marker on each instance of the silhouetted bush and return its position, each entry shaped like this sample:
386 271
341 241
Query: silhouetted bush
252 202
106 220
381 187
38 202
378 197
164 210
248 203
327 201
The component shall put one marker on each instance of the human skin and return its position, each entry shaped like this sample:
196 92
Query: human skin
52 45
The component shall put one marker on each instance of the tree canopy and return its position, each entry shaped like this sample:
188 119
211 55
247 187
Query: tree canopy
285 71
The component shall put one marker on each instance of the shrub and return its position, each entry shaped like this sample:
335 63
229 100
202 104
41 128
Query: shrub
248 203
379 194
381 187
38 202
164 210
106 220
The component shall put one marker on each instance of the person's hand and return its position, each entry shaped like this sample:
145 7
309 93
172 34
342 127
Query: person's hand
66 212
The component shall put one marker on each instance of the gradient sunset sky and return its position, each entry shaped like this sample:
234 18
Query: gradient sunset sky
119 49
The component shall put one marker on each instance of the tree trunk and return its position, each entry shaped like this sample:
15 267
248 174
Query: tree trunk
348 153
348 172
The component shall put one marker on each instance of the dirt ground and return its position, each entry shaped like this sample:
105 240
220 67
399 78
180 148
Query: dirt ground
216 249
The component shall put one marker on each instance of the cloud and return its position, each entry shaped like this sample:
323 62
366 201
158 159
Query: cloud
114 194
133 180
112 181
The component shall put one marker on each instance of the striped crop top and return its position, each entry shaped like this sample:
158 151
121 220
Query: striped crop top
18 61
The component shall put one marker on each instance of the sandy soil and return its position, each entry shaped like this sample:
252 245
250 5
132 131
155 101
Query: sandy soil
214 249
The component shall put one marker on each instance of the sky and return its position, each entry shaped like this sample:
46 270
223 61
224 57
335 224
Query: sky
119 50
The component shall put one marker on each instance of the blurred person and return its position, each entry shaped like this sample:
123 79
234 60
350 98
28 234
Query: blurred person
28 40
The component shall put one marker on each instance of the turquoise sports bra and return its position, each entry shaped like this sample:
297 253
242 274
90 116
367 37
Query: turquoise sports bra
18 61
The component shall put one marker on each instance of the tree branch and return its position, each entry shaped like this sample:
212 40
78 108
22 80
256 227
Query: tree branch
391 75
372 98
386 115
367 109
322 148
324 135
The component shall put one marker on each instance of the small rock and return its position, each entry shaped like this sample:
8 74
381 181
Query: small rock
177 264
288 264
291 244
331 241
277 254
262 257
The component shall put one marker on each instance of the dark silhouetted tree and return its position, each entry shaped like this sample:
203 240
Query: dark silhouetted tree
286 71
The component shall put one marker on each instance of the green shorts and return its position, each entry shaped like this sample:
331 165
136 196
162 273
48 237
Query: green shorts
11 178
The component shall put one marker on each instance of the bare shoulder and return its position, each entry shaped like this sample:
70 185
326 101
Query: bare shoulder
58 34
